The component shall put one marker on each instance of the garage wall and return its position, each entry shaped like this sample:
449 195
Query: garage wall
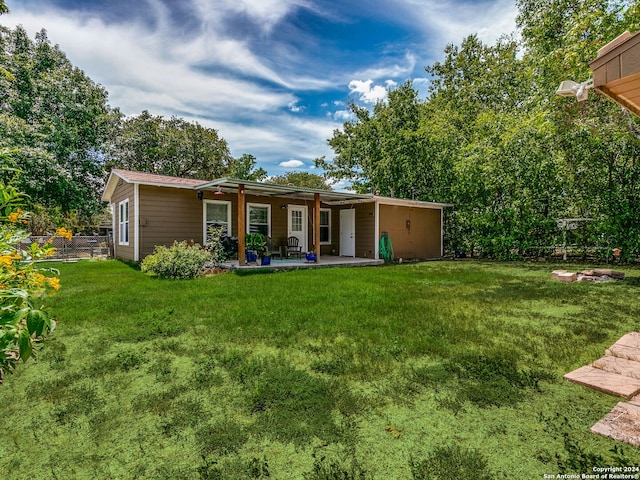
415 232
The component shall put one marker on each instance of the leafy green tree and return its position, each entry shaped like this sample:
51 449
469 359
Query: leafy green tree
387 150
244 168
58 118
151 143
301 179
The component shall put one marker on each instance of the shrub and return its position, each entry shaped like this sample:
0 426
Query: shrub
182 260
22 323
215 245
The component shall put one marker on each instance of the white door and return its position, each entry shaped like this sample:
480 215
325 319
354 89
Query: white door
298 224
348 233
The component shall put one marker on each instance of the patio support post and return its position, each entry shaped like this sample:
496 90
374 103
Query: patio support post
242 257
316 227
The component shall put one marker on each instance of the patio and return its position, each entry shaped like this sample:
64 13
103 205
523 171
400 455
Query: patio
325 261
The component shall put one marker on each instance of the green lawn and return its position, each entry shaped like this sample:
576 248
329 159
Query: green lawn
376 373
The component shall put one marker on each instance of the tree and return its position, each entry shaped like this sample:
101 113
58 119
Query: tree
58 118
244 168
151 143
385 150
301 179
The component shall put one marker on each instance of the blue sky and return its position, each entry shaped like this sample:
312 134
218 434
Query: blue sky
272 76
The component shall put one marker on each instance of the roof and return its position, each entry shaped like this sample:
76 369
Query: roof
616 71
290 191
143 178
230 185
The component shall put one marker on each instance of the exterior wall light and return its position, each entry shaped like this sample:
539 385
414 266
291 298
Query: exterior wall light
569 88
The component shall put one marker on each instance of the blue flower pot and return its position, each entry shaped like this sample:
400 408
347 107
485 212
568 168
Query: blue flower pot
252 257
311 257
265 261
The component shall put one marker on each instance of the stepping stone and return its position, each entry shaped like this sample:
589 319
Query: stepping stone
622 423
564 276
621 366
608 273
611 383
627 347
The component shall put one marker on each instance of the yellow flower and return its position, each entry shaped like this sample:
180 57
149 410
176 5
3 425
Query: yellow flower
39 279
5 260
13 217
63 232
54 282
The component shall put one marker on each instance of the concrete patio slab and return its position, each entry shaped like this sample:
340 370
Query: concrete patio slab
294 264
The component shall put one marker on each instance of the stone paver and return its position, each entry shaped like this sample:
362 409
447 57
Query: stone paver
608 382
620 365
621 423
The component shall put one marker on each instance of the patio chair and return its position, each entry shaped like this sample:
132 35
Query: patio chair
293 247
274 253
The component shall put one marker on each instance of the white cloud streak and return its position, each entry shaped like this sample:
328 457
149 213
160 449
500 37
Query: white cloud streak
291 164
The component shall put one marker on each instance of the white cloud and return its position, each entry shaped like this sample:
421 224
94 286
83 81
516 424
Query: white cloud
452 20
343 115
295 108
394 70
367 92
291 163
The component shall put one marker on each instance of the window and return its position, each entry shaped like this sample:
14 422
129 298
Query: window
123 222
217 214
325 226
259 219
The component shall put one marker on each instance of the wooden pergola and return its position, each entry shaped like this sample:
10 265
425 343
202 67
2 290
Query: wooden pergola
244 187
616 71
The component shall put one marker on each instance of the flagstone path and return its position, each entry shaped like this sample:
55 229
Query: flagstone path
617 373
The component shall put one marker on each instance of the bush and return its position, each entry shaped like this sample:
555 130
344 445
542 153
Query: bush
180 261
22 323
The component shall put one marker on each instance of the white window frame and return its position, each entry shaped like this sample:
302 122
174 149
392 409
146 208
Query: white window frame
205 227
260 205
328 210
123 223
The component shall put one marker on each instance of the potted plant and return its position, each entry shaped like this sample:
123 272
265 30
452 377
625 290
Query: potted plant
311 255
265 258
254 243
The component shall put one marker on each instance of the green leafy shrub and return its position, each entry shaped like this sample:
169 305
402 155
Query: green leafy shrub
183 260
215 246
22 323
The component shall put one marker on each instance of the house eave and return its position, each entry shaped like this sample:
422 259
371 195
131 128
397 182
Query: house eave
272 190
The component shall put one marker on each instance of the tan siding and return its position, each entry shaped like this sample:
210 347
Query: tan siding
365 230
420 239
168 215
123 191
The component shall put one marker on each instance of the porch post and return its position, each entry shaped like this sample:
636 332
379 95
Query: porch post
242 257
316 227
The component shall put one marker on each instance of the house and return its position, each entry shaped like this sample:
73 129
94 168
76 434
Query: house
150 210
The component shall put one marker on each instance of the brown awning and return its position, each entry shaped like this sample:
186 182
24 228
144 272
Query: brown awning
616 71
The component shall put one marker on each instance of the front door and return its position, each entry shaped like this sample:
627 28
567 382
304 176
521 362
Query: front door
348 233
298 224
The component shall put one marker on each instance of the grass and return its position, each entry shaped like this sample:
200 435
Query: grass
364 373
